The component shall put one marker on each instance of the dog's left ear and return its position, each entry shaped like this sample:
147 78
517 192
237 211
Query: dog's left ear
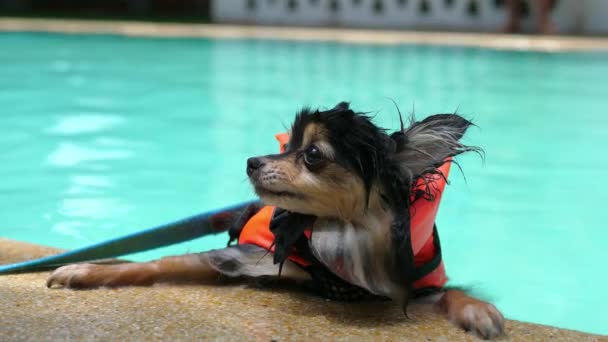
342 106
426 144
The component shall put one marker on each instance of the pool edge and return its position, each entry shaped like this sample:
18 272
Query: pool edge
345 35
208 310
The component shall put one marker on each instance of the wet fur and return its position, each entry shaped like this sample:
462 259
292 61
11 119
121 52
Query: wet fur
359 195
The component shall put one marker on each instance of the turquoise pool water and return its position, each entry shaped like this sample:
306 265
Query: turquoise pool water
105 135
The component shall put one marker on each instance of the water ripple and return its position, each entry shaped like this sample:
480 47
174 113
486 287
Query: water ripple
85 123
70 154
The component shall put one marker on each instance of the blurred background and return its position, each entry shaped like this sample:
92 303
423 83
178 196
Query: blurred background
568 16
105 134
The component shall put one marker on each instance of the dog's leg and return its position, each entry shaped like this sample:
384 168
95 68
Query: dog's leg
242 260
178 268
471 314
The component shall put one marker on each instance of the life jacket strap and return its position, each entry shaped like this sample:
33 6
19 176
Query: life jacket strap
425 269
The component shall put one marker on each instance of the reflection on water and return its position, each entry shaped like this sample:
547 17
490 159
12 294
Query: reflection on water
85 123
92 208
69 154
102 136
88 185
69 229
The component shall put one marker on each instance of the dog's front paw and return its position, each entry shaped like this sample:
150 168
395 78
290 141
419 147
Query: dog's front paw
473 315
78 276
481 318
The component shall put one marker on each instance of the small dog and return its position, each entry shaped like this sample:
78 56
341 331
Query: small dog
345 189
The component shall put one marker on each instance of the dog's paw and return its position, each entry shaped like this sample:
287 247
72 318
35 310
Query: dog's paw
479 317
78 276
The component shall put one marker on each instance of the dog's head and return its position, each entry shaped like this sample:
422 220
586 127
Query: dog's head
339 164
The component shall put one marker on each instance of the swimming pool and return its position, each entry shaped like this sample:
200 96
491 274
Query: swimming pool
106 135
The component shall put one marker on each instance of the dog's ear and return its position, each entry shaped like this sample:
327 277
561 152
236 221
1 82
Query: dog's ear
426 144
342 106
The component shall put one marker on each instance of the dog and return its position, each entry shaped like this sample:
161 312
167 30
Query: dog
342 192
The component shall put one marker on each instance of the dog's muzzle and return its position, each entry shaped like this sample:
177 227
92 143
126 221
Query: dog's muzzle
253 164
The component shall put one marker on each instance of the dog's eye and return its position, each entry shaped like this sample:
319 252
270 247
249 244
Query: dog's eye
312 157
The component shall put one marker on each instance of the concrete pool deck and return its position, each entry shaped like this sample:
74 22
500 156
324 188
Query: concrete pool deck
31 312
353 36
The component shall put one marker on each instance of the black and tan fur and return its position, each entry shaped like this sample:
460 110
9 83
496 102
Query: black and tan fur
354 181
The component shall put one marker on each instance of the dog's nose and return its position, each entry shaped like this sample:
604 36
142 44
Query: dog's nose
253 164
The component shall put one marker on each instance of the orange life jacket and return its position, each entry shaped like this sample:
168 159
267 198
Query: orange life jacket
425 241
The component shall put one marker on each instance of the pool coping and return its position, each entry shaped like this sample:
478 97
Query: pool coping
344 35
230 312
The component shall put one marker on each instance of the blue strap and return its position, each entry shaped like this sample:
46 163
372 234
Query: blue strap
208 223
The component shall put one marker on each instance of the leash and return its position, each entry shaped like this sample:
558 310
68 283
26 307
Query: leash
208 223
